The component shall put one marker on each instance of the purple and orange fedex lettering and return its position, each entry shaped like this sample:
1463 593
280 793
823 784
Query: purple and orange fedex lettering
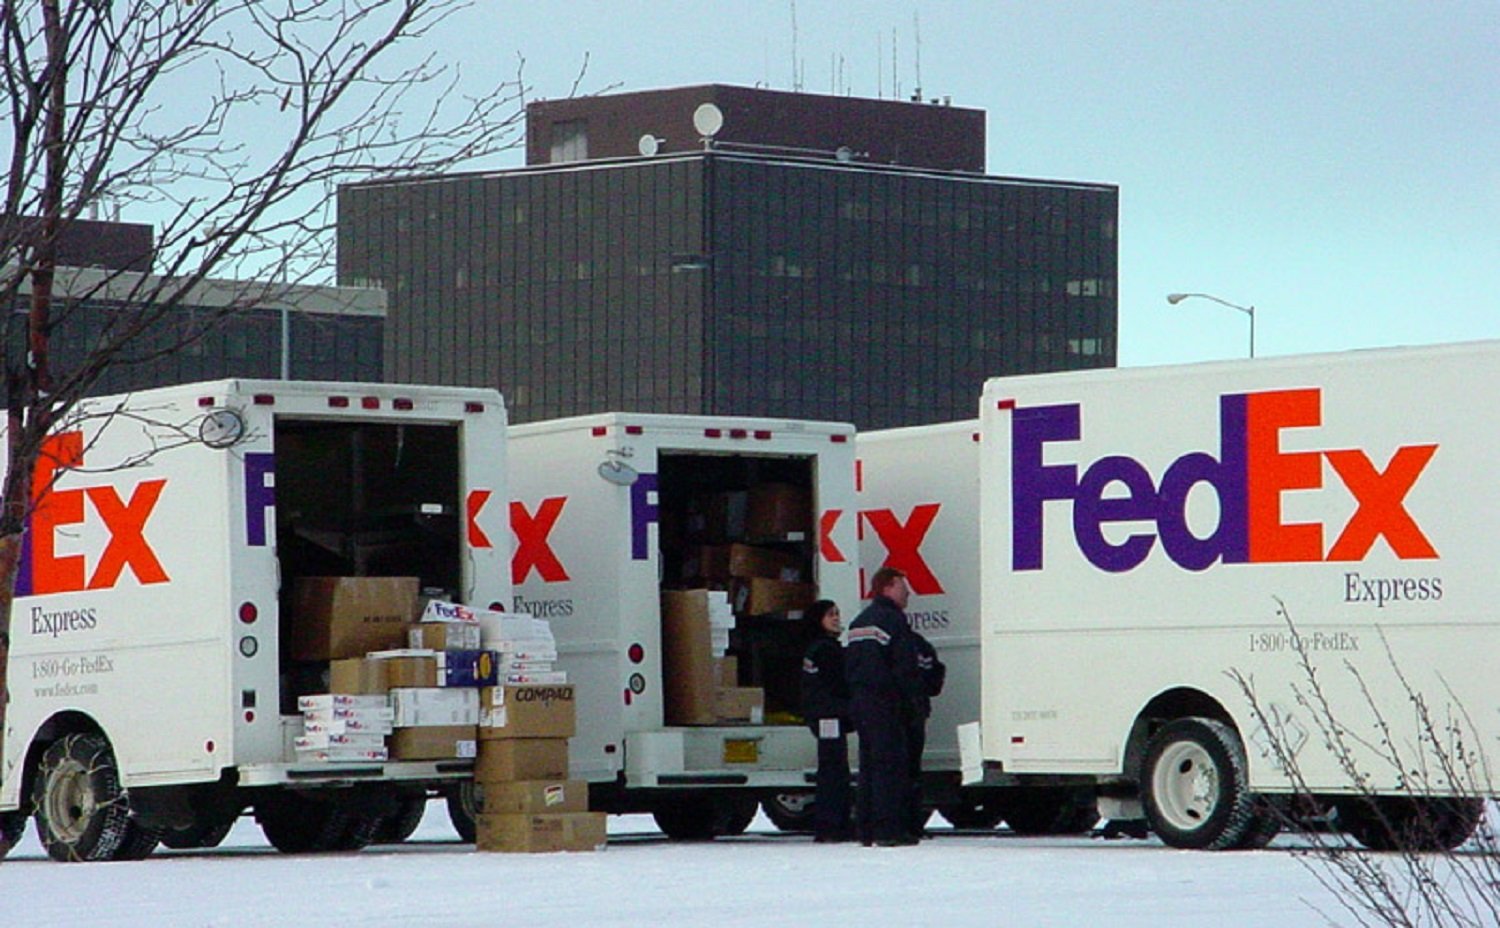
1249 476
54 508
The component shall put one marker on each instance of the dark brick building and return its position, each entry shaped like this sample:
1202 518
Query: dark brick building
819 257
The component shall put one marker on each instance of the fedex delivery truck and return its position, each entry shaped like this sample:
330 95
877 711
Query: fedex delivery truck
153 693
621 521
1207 585
919 512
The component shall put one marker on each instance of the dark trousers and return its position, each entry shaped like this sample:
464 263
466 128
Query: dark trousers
884 776
833 798
916 741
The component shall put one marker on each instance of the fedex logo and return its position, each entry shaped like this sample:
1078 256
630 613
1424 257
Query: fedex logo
533 550
1249 476
903 539
43 570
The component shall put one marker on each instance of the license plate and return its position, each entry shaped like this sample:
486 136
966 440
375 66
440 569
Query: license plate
741 751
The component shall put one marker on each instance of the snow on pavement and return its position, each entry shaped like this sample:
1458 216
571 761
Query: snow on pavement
644 881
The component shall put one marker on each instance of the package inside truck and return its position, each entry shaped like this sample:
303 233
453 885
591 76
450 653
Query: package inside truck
742 526
360 500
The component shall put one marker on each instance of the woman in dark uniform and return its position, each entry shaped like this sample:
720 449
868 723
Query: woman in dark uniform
825 706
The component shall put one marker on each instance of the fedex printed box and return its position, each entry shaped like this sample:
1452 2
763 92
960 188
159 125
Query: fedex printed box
527 712
444 636
338 617
530 796
538 834
522 759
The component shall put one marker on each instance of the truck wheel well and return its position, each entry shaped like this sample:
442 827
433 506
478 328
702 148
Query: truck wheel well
59 726
1176 703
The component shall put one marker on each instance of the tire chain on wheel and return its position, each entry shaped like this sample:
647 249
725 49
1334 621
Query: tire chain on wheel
119 835
1239 819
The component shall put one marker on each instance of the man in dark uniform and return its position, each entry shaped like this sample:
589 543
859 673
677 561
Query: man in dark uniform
886 692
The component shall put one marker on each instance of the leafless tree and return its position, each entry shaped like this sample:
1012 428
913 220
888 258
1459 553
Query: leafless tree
1423 854
230 122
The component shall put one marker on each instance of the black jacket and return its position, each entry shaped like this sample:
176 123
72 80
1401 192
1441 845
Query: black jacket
883 663
825 691
934 673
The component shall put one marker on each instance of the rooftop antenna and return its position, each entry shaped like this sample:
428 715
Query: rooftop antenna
879 66
796 83
916 24
895 68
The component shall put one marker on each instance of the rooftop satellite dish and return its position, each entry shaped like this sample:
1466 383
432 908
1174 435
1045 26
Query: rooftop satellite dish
708 120
649 145
844 154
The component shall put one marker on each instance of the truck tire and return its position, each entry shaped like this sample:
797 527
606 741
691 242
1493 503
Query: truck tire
790 812
1266 822
1035 811
12 827
296 824
1194 785
703 818
82 813
463 810
399 825
1391 823
208 833
977 816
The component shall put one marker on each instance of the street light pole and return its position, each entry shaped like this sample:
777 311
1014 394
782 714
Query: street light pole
1175 298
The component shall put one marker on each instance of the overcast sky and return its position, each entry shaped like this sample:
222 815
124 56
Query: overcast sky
1336 165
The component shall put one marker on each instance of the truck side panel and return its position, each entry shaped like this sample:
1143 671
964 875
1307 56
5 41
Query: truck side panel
1156 531
124 573
919 511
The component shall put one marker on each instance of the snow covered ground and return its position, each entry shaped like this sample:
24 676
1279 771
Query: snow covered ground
644 881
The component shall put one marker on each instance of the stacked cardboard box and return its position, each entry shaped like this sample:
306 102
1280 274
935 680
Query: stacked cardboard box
526 801
525 648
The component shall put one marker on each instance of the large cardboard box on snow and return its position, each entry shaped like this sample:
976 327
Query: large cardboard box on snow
687 658
340 617
527 712
510 759
536 834
433 742
529 797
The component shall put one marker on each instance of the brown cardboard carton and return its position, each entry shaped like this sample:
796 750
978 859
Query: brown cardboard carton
510 759
535 834
433 742
740 704
687 658
356 676
775 510
750 561
534 796
541 711
727 670
760 596
333 618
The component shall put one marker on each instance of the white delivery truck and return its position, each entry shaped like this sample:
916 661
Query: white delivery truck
918 493
1150 538
611 510
152 691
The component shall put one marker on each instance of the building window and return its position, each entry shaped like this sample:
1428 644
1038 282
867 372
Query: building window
570 140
